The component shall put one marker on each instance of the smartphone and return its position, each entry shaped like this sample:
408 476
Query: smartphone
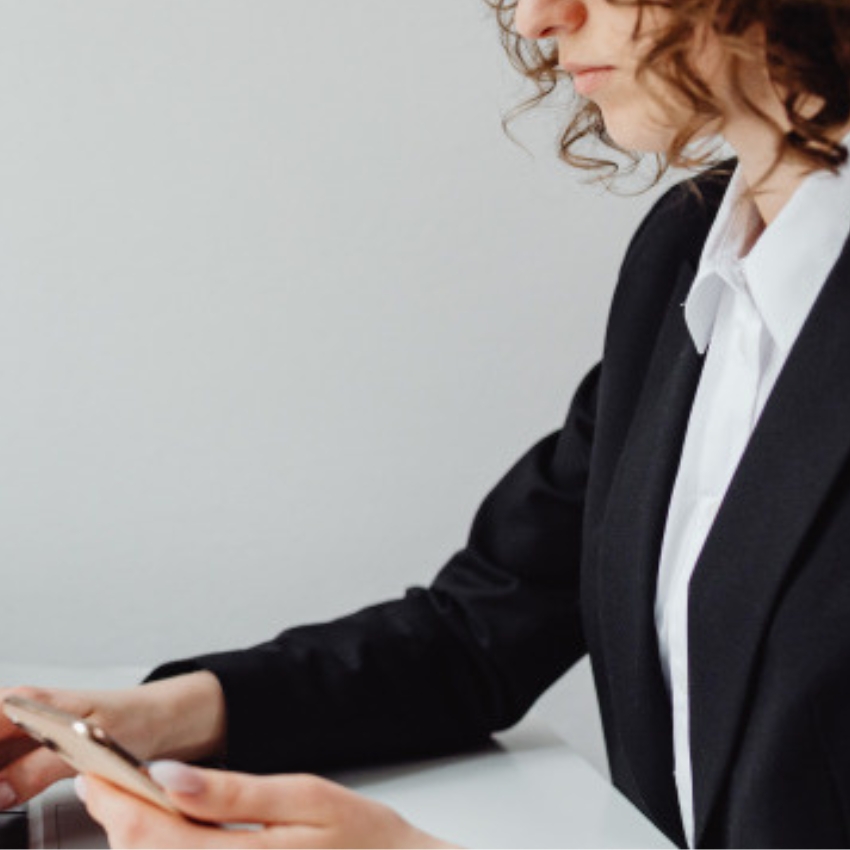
86 747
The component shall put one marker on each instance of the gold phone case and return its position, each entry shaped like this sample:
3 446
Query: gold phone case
86 747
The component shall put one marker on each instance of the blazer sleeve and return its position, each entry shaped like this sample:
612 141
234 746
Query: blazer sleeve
443 667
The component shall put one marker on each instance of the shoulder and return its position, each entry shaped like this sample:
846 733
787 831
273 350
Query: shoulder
669 239
679 222
660 262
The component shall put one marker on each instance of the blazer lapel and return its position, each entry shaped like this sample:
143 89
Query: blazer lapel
628 563
797 449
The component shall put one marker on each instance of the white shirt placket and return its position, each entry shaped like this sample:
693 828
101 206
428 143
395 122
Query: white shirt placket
734 368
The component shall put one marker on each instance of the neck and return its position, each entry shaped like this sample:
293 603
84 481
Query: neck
773 182
756 146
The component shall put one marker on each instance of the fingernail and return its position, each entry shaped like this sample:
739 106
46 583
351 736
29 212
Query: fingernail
7 795
176 776
80 787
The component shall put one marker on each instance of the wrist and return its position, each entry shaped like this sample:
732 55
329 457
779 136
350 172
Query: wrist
180 718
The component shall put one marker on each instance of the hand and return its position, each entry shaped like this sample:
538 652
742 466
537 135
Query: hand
181 717
26 768
291 811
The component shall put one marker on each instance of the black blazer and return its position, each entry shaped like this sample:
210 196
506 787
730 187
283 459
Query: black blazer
562 560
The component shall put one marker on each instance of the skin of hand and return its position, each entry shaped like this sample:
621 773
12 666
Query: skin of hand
181 718
285 811
26 768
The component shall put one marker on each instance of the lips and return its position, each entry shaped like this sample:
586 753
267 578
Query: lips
587 78
579 68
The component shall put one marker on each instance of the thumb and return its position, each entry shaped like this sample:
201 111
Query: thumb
224 796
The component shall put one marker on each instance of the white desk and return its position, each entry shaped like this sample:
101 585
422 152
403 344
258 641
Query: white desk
529 789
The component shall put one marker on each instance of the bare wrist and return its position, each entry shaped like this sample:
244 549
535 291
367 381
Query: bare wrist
182 717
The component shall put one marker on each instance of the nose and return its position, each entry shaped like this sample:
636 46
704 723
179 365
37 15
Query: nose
535 19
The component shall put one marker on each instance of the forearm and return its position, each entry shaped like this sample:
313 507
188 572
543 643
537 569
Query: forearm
444 667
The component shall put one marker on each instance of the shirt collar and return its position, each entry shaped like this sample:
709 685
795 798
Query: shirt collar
789 263
735 225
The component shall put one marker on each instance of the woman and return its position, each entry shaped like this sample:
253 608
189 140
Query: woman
689 526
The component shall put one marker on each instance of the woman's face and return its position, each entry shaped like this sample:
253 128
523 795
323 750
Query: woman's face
598 47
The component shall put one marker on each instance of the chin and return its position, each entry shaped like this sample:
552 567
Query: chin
641 137
642 124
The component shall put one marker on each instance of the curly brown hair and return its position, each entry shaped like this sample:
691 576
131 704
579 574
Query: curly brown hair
807 51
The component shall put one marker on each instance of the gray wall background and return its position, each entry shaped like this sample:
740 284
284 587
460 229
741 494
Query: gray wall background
279 303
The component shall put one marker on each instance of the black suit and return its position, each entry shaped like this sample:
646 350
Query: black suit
562 560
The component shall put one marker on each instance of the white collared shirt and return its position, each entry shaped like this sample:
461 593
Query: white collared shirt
750 298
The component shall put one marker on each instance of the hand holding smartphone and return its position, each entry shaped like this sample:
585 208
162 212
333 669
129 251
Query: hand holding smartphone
86 747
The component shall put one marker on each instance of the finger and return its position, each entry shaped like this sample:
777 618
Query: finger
240 797
14 741
14 748
23 772
33 773
132 822
8 730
